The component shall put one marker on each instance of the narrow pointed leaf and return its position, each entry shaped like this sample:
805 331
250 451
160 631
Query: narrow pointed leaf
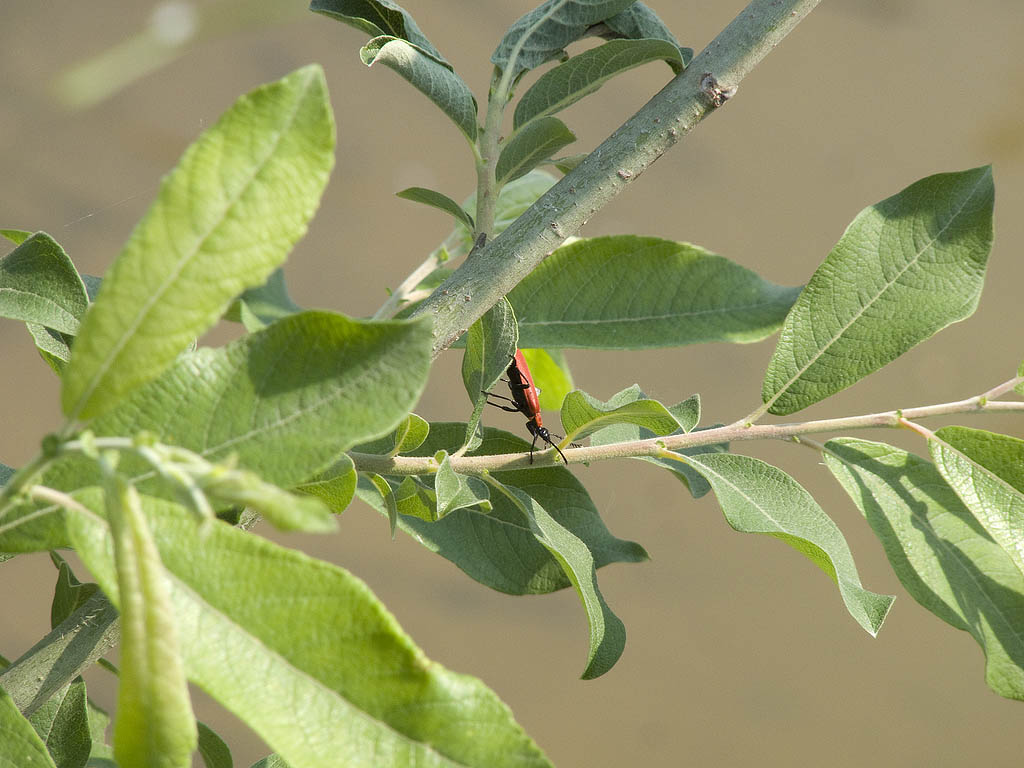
543 33
376 18
16 236
39 284
225 218
155 727
583 415
69 594
63 725
348 684
904 269
212 749
551 374
987 472
431 78
629 292
497 548
584 73
530 147
607 632
437 200
941 556
759 498
490 345
20 744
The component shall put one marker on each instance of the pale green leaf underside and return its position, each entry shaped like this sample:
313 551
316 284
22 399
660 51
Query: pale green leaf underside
155 726
541 34
309 658
225 217
431 78
437 200
607 632
588 71
490 345
943 559
904 269
39 284
630 292
497 548
582 415
987 472
759 498
530 147
455 491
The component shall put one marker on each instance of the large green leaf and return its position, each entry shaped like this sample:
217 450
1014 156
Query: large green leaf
376 18
543 33
497 548
630 292
39 284
637 22
607 633
583 415
987 472
431 78
935 546
225 217
155 727
586 72
904 269
347 685
437 200
286 401
20 745
759 498
530 147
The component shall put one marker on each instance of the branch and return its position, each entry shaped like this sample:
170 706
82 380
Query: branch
657 446
706 84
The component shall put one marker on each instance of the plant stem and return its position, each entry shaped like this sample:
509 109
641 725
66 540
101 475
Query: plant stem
486 182
655 446
621 158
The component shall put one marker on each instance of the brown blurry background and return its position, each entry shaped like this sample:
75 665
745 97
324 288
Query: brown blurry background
739 650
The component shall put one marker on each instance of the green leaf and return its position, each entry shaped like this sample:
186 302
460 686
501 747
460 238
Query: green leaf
497 548
348 684
904 269
98 722
759 498
63 725
937 550
16 236
285 511
386 494
607 633
439 201
69 594
225 218
271 761
155 726
583 415
530 147
584 73
430 77
490 347
542 34
1019 389
20 744
551 375
637 22
455 491
987 472
214 751
259 307
410 433
334 486
376 18
39 284
629 292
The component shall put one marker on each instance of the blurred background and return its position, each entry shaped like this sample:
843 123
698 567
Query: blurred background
739 650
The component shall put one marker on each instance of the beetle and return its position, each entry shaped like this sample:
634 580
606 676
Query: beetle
524 399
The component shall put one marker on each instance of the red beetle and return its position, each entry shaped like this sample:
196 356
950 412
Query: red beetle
524 398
